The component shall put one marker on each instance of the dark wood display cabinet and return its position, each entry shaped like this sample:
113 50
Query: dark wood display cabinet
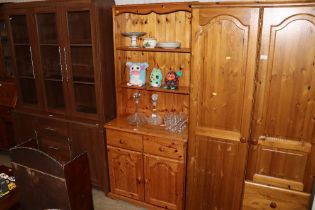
63 63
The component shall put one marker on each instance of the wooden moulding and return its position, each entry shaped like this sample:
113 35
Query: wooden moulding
285 144
142 49
144 9
278 182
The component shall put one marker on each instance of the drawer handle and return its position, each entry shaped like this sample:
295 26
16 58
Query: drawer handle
54 148
273 205
121 141
50 129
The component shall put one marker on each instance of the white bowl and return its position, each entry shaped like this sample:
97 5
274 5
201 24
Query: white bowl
169 45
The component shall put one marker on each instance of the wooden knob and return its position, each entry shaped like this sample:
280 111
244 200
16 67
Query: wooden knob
139 180
121 141
273 205
243 140
254 141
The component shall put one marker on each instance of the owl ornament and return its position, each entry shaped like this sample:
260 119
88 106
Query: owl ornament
156 78
137 73
172 79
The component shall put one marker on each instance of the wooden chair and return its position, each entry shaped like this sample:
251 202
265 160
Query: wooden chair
45 183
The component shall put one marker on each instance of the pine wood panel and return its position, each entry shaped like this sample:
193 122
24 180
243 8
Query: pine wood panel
284 105
164 186
223 60
262 197
126 173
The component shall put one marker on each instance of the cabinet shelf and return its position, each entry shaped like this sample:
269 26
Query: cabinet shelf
151 130
81 45
26 77
180 90
142 49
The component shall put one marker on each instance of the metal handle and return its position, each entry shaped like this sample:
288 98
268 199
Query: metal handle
61 68
50 129
65 54
32 62
54 148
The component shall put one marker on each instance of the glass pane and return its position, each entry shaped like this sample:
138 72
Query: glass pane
79 27
5 49
28 90
19 29
85 98
47 28
54 94
82 64
51 62
24 60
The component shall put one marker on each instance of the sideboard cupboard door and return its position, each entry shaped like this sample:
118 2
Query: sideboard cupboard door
89 138
126 173
223 61
283 121
164 182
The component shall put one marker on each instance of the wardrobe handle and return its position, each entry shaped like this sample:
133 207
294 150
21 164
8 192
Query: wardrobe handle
61 67
31 53
139 180
254 141
65 54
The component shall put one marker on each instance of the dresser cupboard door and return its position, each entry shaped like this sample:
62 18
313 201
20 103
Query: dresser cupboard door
223 61
51 58
283 128
24 61
126 172
164 182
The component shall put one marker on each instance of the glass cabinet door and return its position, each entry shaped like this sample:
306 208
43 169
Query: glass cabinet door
24 59
4 45
82 72
50 57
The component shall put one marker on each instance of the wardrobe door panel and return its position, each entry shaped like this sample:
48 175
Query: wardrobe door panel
223 60
284 106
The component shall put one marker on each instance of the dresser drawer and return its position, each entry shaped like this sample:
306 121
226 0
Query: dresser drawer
124 140
164 147
52 126
263 197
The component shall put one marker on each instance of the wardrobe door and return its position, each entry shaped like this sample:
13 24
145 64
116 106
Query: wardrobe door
223 61
284 115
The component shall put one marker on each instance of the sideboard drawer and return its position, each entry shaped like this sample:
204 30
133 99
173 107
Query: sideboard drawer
164 147
262 197
124 140
52 126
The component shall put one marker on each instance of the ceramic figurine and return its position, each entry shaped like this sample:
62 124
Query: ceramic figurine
137 72
156 77
172 79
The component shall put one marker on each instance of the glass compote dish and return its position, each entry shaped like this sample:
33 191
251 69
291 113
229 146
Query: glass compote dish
154 118
133 36
136 118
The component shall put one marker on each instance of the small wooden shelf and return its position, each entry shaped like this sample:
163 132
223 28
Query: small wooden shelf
21 44
84 82
180 90
151 130
53 79
142 49
49 44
